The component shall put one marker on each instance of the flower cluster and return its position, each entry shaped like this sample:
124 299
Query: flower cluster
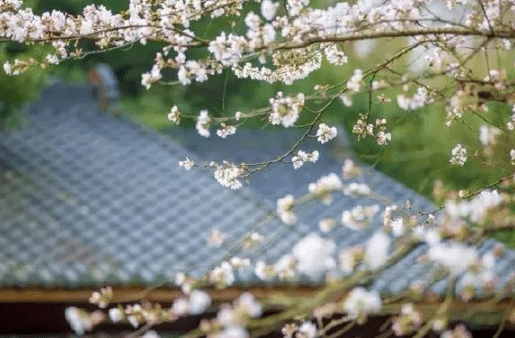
222 275
363 129
408 321
350 170
420 99
349 258
327 224
226 130
302 157
361 303
228 175
314 255
231 319
458 155
488 134
265 272
285 267
326 133
81 321
454 256
285 110
356 189
355 83
284 209
333 55
203 123
216 238
102 298
174 115
187 164
197 302
147 79
324 187
473 210
252 239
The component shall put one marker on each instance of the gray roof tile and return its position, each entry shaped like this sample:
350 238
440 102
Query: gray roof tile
88 200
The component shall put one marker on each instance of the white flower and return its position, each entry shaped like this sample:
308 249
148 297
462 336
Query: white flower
511 123
397 226
227 315
356 81
488 134
222 275
180 278
512 155
295 6
326 133
226 130
203 122
269 34
251 240
174 115
346 99
147 79
251 306
408 321
133 320
150 334
239 263
116 315
285 267
366 6
285 110
216 238
228 176
325 186
350 257
383 138
308 330
460 331
301 157
356 189
455 256
8 68
360 303
52 59
199 302
284 209
376 252
264 272
349 169
233 331
228 49
420 99
473 209
268 9
314 255
335 56
181 306
187 164
327 224
78 319
458 155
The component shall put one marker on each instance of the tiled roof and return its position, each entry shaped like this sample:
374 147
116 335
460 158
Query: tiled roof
86 200
94 200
